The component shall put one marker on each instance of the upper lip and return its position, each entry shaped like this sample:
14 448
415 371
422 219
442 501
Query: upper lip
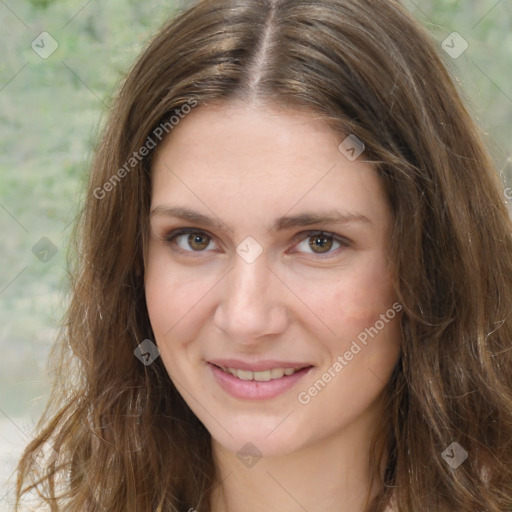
259 366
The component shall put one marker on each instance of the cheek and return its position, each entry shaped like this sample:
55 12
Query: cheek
353 300
175 312
173 298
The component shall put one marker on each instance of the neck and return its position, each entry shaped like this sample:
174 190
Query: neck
330 475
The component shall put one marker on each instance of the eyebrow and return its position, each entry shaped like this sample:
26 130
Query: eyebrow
280 224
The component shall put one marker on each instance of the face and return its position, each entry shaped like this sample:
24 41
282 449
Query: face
267 281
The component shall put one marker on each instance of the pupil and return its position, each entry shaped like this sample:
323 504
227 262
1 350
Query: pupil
197 241
320 242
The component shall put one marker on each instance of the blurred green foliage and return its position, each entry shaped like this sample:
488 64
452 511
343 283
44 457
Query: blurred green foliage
484 71
51 111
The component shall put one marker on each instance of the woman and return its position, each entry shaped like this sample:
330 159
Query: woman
293 279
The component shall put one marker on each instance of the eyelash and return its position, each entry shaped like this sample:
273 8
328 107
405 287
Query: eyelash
171 237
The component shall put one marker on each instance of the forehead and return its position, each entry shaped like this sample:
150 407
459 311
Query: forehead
232 133
260 160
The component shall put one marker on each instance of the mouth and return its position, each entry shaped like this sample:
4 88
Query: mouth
260 384
260 376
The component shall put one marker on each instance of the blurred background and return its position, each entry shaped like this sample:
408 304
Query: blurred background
61 62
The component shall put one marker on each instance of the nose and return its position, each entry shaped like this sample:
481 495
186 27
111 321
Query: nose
252 303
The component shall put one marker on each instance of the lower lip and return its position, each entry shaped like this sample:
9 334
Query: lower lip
253 389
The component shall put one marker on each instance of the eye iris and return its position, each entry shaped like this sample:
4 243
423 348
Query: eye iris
197 241
322 242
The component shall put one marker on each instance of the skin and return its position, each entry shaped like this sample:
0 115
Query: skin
246 166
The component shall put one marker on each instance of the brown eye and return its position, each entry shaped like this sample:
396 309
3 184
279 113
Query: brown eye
188 240
198 241
321 243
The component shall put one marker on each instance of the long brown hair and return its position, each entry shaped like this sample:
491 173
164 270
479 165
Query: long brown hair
125 439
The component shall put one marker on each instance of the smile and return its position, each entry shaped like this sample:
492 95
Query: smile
262 376
263 384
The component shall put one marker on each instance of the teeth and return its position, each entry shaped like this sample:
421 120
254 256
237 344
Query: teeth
244 375
277 373
274 373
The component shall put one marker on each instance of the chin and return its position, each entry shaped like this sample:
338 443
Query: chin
260 441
